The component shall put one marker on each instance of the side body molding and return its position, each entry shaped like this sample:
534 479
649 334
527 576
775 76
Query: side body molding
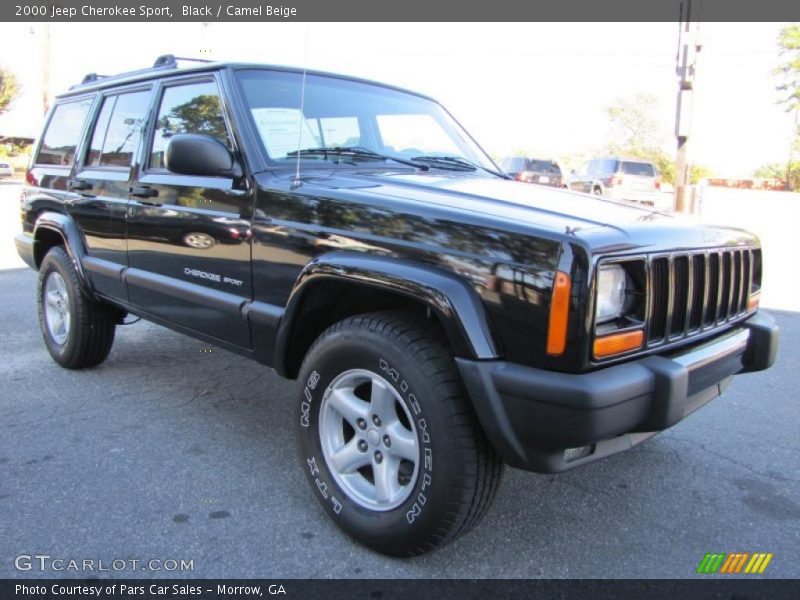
451 298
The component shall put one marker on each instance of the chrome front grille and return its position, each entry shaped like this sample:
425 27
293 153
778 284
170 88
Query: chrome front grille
693 292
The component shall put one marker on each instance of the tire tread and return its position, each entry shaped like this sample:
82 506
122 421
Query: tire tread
95 322
427 346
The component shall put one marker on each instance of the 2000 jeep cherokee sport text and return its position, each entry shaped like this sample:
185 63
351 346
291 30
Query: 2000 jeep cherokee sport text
440 319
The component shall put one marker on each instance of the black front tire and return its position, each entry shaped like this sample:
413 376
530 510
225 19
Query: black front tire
90 333
459 471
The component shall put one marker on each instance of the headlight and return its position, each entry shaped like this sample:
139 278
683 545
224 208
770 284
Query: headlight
612 283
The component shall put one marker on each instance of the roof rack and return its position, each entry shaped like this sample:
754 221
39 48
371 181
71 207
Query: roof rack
165 61
91 77
172 60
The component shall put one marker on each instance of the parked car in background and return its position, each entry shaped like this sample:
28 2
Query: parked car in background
533 170
631 179
6 170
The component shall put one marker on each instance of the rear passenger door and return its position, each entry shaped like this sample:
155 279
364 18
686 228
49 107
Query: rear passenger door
189 236
102 178
51 172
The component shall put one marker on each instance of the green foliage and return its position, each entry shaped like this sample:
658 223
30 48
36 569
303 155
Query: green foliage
789 92
699 172
11 150
9 89
789 69
778 171
634 128
202 114
635 132
663 162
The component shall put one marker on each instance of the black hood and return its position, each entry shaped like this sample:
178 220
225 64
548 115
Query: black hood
603 224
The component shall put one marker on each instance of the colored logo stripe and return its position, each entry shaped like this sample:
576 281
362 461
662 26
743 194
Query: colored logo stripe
734 562
710 563
758 563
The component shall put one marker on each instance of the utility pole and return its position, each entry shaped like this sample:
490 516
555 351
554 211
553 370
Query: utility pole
689 47
46 67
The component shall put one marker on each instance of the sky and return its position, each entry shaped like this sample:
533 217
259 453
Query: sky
542 88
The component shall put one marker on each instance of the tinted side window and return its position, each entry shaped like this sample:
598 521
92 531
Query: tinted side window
63 133
192 108
609 166
118 130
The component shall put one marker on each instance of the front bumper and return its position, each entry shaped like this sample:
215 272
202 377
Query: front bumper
24 244
650 198
548 422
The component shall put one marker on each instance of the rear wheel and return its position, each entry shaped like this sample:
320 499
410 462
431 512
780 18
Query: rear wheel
388 439
77 331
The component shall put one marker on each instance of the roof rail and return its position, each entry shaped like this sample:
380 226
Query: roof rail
170 60
165 61
90 77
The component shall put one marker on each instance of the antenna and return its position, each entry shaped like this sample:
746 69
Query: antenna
297 182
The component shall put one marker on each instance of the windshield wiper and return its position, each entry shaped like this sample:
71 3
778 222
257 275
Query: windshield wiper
458 163
354 153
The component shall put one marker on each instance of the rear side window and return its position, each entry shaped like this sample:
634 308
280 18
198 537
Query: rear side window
608 166
118 130
641 169
191 108
63 133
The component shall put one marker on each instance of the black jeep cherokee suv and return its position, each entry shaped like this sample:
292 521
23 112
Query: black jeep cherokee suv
441 319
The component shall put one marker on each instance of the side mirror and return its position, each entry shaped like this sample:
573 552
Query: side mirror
193 154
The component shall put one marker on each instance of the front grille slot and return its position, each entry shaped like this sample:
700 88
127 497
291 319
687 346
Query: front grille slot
659 288
699 284
747 276
695 292
725 294
713 288
680 296
736 297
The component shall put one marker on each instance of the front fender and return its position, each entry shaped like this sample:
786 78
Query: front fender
450 297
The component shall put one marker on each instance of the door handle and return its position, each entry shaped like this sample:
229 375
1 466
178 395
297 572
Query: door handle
79 185
142 191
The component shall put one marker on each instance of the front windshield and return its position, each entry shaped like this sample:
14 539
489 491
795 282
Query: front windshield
342 113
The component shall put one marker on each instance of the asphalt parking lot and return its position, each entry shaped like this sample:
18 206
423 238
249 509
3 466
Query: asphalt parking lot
171 451
174 450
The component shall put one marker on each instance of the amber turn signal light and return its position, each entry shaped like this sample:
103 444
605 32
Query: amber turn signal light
753 300
559 312
617 343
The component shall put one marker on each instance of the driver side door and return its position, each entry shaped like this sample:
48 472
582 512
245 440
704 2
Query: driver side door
189 236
